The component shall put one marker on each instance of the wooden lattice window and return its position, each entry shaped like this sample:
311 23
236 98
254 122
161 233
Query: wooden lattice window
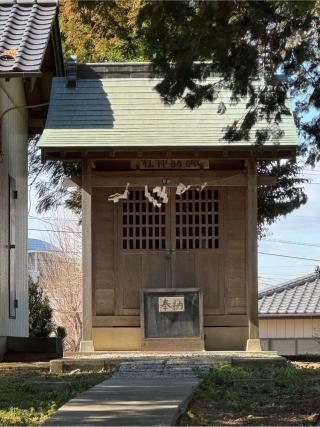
143 225
196 223
197 219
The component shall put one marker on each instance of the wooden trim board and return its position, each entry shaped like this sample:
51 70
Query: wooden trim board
134 321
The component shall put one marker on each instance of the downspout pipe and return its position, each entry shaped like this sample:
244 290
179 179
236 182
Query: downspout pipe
17 107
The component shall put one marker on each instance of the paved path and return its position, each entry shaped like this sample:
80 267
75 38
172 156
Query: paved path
140 394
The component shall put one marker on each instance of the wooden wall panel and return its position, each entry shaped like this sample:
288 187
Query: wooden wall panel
184 270
105 301
131 277
209 274
154 271
234 226
103 253
137 271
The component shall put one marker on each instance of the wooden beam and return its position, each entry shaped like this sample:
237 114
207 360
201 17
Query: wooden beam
172 173
253 343
225 320
116 321
86 344
235 178
134 321
152 178
233 153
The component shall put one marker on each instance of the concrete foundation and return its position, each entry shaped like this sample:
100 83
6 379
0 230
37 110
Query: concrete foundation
254 345
86 346
228 338
3 347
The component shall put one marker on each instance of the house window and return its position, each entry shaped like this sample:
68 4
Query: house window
197 219
12 200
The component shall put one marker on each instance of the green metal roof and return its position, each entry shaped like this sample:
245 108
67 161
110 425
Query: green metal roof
127 112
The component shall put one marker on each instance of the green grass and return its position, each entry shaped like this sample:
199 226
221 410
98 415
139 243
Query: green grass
20 405
292 398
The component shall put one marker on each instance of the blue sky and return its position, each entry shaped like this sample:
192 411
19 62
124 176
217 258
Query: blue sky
301 226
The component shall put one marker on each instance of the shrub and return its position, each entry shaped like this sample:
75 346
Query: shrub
61 332
40 312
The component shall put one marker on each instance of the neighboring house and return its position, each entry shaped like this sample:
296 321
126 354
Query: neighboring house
110 118
38 252
289 316
30 55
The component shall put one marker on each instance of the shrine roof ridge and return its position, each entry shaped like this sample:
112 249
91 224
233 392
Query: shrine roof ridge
105 70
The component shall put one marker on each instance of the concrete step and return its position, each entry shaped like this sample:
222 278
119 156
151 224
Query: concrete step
161 369
103 360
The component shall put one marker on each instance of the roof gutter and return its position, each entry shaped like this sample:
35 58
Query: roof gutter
57 48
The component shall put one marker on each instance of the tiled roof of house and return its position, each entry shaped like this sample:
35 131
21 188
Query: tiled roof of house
25 27
300 297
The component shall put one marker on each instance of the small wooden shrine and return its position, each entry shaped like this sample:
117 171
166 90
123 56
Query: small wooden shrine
168 204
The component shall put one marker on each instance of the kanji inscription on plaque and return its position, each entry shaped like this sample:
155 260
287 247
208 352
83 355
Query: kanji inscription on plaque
149 164
171 304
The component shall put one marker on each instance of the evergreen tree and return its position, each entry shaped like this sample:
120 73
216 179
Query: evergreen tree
40 312
186 40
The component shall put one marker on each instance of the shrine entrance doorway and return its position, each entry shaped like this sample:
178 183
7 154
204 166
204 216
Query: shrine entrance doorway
177 245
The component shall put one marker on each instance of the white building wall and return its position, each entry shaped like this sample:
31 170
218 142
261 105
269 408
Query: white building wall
291 336
14 140
289 328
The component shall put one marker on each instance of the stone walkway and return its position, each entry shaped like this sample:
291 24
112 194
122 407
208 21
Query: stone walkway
140 393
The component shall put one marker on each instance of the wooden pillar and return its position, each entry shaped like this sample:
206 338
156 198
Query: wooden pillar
253 342
86 344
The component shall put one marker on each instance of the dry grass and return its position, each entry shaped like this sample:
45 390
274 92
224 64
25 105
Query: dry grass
291 397
20 405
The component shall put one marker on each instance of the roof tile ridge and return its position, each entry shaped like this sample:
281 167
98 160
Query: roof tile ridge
273 299
24 38
31 2
316 285
288 285
313 294
263 304
30 29
288 298
302 297
7 25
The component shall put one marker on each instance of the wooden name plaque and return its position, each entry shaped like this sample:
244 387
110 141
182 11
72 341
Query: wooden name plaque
172 319
169 164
